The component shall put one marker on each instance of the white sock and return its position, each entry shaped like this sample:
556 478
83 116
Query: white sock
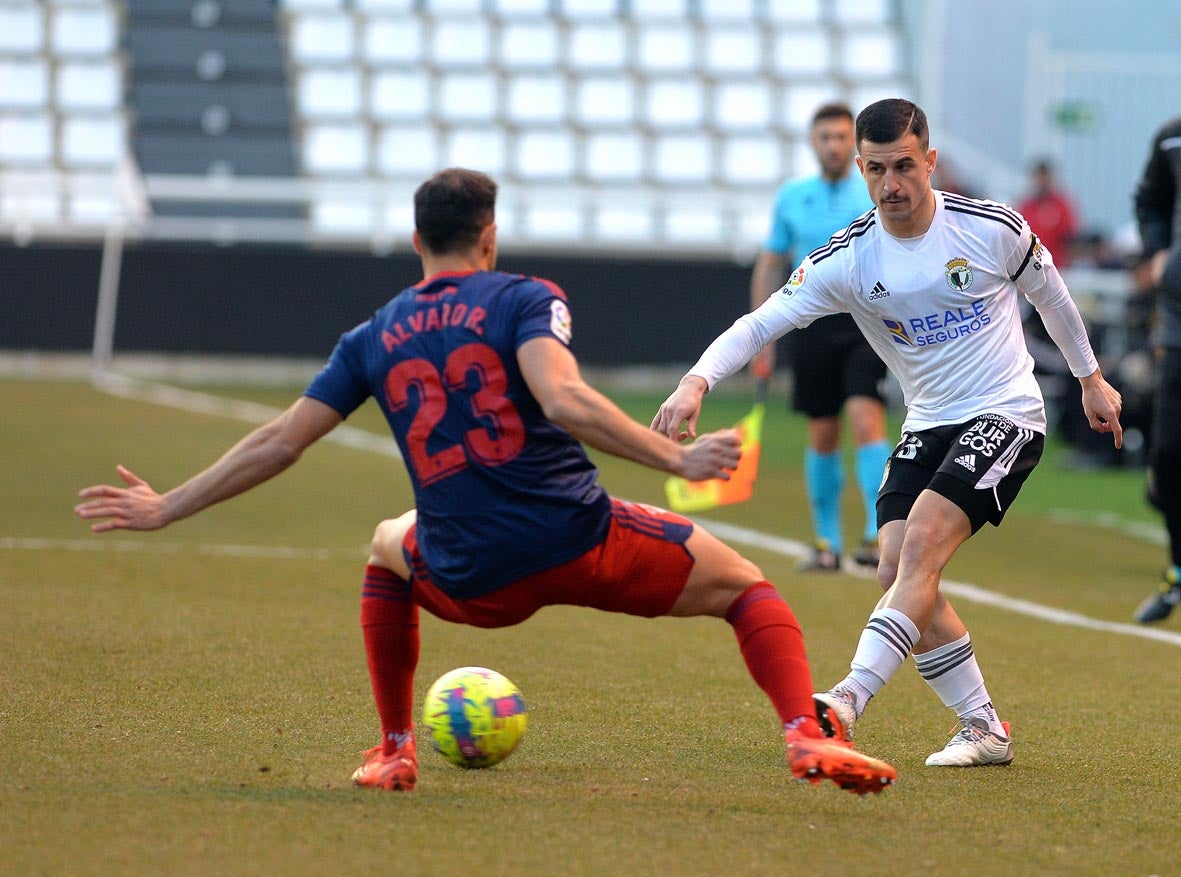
888 638
988 713
951 670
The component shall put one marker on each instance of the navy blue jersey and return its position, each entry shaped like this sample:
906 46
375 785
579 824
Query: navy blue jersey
501 491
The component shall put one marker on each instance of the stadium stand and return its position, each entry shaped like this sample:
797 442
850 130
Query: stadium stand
608 122
61 108
603 119
208 90
649 129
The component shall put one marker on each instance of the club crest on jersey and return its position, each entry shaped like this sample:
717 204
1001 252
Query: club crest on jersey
559 321
959 274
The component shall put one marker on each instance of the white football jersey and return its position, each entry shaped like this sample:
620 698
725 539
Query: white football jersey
941 311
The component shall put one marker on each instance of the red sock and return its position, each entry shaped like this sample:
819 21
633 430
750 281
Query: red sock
773 647
389 621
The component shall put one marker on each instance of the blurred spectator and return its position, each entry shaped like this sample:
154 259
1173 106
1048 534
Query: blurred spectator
1092 249
1060 390
947 178
1123 345
1050 213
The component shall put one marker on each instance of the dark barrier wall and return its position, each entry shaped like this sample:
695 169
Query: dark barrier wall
290 301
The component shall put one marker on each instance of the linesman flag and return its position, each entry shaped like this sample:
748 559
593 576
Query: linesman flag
698 496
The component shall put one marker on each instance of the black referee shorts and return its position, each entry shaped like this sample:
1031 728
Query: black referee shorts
831 361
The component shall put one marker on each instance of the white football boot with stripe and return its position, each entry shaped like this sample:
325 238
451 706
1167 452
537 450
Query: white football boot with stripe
974 746
836 710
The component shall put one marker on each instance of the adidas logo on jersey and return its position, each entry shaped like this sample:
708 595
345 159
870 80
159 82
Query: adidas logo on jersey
878 291
968 461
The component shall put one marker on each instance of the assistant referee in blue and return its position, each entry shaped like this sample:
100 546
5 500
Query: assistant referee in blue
835 370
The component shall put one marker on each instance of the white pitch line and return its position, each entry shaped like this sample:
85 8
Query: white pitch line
1154 534
147 546
236 409
962 590
188 400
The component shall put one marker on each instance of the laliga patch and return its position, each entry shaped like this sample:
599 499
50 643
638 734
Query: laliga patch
559 320
959 274
793 282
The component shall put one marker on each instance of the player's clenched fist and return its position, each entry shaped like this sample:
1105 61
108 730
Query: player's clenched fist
714 455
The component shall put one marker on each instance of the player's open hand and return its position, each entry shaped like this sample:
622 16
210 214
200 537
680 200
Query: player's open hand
1102 404
677 417
134 507
713 455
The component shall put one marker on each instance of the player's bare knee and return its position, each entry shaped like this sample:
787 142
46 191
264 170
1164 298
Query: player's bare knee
735 577
719 564
715 582
385 550
887 573
742 575
921 537
747 573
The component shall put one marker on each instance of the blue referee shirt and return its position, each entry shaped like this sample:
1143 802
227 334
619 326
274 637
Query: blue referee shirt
809 211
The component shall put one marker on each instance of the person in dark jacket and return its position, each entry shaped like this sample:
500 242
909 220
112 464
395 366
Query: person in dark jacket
1158 213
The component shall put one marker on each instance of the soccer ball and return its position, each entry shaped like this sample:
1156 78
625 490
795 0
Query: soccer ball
475 717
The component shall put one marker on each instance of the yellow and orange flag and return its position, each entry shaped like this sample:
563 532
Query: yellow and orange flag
698 496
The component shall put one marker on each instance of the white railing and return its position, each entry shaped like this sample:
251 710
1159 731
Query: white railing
44 205
378 214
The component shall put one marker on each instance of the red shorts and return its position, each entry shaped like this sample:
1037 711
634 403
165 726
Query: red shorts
640 568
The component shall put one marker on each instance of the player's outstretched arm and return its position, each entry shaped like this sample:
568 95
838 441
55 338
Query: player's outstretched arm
552 374
726 354
259 456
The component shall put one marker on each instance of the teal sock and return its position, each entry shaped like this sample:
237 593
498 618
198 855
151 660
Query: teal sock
825 479
1175 578
870 461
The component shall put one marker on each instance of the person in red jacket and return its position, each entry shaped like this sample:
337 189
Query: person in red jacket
1050 213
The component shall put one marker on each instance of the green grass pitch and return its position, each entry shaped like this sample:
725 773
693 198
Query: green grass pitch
193 701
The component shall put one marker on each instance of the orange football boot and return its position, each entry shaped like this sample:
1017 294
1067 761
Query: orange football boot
397 772
813 759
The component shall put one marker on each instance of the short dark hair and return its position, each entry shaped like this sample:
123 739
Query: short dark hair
888 120
834 110
452 208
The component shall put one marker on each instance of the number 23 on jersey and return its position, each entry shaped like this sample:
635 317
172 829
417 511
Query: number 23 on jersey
500 433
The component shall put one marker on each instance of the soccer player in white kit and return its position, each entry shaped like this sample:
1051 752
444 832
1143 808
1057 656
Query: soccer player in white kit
931 279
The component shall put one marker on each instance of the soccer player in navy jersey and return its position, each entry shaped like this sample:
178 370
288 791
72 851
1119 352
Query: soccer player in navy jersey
835 372
472 369
932 279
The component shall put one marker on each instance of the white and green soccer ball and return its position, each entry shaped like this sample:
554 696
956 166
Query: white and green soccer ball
475 717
